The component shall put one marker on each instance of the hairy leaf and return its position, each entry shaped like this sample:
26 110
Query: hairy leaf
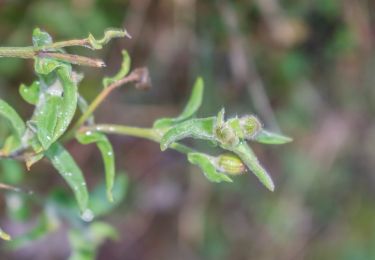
106 151
267 137
249 158
201 128
69 170
207 165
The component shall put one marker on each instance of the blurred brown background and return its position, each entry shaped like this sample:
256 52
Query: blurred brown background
306 68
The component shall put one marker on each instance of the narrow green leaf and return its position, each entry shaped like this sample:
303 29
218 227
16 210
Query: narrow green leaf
46 119
249 158
69 101
15 120
69 170
199 128
206 163
41 38
30 93
106 151
124 70
192 106
194 102
4 235
267 137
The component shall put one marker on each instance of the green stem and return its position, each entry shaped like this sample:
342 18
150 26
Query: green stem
146 133
18 52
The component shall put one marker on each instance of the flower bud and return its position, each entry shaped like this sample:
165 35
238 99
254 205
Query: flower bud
230 164
250 126
226 135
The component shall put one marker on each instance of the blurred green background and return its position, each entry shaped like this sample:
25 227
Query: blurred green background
306 68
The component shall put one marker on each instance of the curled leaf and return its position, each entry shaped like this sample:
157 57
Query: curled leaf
106 151
108 35
124 70
30 93
201 128
69 170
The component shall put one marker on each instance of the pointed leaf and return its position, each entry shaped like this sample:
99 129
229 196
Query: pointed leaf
267 137
30 93
69 170
249 158
124 70
206 163
106 151
201 128
190 109
194 102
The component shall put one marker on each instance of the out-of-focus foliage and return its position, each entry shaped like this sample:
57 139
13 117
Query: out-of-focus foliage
314 61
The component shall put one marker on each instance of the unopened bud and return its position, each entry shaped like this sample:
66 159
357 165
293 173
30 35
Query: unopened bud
250 126
231 164
226 135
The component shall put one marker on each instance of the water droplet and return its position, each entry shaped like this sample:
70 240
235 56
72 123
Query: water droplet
87 215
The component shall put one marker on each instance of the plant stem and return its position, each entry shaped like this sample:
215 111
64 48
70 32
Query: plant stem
146 133
18 52
98 100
